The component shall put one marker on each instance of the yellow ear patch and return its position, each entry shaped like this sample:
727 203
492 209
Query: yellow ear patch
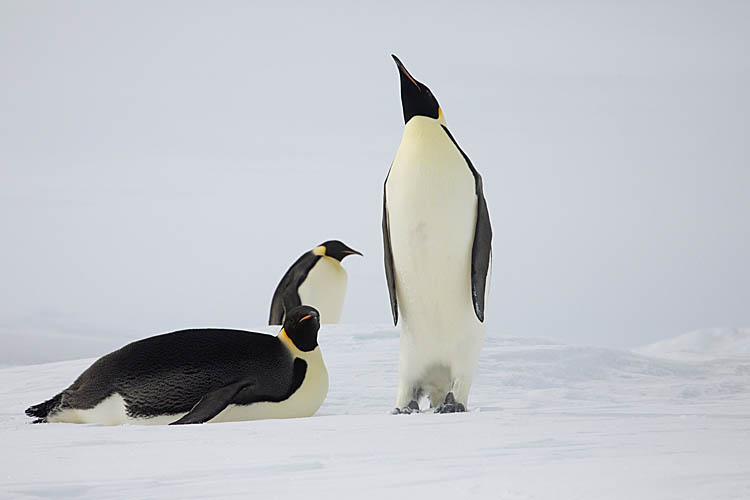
285 338
441 117
319 251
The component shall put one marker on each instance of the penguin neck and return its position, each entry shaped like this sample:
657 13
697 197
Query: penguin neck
423 137
421 128
332 260
321 252
424 120
308 397
296 352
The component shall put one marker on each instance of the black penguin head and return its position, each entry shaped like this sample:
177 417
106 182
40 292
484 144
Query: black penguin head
334 249
301 326
416 98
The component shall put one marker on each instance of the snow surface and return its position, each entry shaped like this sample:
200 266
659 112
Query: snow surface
547 420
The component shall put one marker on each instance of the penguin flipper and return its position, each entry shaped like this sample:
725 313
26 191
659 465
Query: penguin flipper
390 276
481 253
286 297
481 249
283 302
276 316
43 410
212 403
291 300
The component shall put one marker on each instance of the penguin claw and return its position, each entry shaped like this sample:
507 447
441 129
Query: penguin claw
450 405
457 408
412 407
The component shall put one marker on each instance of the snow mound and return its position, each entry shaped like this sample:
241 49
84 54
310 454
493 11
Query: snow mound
527 374
713 343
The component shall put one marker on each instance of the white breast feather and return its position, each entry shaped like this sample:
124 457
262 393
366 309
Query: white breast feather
432 208
324 288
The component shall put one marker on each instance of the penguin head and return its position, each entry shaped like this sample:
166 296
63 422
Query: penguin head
301 327
416 98
334 249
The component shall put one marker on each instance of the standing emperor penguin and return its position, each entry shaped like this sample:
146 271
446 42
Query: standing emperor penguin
437 244
316 279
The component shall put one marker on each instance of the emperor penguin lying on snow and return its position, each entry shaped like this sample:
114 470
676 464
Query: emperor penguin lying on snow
196 376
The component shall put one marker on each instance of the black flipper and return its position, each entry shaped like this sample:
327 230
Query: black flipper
388 257
276 317
43 410
481 250
286 298
213 403
291 300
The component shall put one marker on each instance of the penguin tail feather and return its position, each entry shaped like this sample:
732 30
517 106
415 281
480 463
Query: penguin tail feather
43 410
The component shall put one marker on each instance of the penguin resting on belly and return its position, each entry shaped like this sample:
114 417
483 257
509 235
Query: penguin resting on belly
197 376
437 246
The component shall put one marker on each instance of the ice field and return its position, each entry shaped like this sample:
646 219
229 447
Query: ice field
546 420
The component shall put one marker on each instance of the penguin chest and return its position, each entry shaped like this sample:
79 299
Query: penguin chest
431 202
303 402
324 288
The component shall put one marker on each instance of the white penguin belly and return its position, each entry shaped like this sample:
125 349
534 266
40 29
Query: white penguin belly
305 401
324 288
110 411
432 208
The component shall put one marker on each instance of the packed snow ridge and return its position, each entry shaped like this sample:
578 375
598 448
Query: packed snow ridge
703 344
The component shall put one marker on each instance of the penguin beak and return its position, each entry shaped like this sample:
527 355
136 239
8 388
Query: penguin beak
404 72
305 317
352 252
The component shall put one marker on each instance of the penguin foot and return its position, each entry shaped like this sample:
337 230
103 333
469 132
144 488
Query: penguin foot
450 405
412 407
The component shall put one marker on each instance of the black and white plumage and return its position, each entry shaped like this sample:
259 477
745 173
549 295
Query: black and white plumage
317 279
202 375
437 246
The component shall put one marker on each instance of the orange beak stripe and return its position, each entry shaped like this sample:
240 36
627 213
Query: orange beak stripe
306 317
410 78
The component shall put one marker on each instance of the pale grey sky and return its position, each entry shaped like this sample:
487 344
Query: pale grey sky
162 163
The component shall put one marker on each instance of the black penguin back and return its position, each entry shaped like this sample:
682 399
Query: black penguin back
286 297
169 373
